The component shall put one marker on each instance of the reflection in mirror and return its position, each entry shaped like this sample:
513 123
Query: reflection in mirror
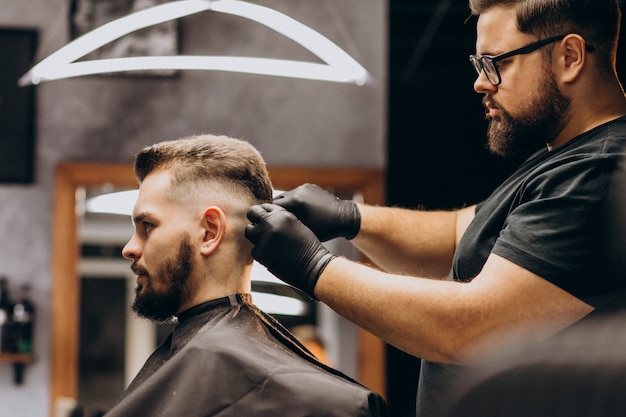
98 344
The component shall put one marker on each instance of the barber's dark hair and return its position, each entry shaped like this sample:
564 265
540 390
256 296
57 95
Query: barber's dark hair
597 21
228 161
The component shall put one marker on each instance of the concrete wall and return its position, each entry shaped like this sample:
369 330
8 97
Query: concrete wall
292 122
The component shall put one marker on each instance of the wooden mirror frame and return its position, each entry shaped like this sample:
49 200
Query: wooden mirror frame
66 252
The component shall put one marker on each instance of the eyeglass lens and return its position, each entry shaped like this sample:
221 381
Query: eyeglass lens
486 64
491 71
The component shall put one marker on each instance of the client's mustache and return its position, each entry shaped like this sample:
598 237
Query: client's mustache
138 270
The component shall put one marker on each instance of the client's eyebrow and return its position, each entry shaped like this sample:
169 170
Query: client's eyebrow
138 218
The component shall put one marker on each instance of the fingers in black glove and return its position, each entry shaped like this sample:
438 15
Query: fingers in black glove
324 213
286 247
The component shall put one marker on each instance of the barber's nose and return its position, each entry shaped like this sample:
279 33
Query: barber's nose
482 85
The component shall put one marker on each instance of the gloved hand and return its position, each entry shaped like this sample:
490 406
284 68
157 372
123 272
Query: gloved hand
286 247
324 213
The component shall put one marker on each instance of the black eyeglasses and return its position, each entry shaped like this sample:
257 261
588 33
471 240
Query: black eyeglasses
488 63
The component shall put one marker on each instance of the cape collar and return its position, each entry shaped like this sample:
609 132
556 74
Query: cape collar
231 300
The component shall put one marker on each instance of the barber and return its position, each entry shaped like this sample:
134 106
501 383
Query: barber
527 261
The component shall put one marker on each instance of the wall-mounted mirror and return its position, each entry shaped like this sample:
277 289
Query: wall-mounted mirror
77 272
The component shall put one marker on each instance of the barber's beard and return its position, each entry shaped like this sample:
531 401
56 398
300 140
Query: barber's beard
535 126
174 274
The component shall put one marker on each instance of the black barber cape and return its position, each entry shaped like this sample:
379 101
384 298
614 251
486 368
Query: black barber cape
227 358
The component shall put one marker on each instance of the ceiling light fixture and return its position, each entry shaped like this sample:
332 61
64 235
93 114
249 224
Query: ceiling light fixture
338 66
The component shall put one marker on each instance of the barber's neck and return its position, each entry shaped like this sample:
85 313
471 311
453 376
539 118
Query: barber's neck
593 107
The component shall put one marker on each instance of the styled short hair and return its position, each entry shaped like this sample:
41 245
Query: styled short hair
234 163
597 21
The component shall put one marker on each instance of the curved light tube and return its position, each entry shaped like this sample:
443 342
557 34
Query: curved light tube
338 67
279 304
121 202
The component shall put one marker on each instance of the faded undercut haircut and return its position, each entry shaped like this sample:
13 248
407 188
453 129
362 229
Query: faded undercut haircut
232 163
597 21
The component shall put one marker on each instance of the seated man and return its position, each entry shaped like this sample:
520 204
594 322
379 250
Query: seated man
225 357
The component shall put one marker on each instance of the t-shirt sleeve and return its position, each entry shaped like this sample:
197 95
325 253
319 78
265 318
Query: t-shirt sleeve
555 230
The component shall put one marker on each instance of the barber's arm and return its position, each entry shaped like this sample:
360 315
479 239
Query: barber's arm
398 240
438 320
449 321
411 242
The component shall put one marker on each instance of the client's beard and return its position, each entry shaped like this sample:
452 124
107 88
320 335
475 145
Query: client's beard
175 273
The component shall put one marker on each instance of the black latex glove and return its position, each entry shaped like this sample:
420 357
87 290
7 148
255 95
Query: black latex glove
324 213
286 247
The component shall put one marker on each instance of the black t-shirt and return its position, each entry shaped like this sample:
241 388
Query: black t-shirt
548 218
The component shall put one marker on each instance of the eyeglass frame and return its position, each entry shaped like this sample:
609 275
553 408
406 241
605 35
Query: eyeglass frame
478 62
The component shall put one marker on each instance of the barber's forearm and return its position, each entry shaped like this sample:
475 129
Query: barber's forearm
406 241
405 312
449 321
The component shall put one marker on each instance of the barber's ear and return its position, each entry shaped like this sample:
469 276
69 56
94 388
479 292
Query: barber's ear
572 57
214 225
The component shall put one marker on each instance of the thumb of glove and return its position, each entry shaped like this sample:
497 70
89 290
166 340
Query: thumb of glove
288 249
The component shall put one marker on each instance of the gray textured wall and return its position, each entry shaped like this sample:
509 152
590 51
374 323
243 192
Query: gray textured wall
292 122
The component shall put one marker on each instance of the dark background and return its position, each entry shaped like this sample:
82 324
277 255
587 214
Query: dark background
437 155
17 107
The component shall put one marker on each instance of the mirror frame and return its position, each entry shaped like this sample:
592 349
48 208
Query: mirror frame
66 252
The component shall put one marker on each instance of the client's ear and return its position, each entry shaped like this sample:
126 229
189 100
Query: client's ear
214 223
